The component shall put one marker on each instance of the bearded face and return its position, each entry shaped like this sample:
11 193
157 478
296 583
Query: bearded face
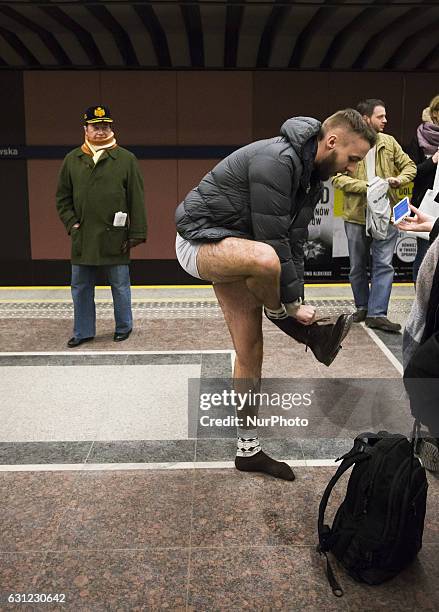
328 167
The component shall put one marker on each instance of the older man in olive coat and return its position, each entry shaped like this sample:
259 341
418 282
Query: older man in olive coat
100 201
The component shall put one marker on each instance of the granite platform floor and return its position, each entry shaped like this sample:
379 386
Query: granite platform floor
113 495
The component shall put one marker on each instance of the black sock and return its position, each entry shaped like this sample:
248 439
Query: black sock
263 463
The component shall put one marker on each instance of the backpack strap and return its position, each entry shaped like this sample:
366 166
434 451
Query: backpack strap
353 457
413 441
348 461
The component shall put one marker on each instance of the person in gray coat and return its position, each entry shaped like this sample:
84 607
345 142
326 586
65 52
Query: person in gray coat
243 228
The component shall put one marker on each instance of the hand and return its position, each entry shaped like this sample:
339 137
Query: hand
394 182
129 244
419 223
435 157
305 314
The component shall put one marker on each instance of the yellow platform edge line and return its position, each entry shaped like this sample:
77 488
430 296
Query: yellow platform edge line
100 300
67 287
323 298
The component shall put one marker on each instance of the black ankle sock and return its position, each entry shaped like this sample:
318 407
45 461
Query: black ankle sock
263 463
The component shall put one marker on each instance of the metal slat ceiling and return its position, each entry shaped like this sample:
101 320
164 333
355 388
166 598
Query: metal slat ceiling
216 34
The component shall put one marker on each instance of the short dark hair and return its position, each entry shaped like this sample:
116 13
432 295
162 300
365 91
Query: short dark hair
366 107
351 120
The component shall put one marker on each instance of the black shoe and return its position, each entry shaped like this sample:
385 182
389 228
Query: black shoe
383 323
121 337
359 315
77 341
324 340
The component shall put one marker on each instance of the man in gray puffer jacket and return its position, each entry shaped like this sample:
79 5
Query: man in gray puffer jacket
243 228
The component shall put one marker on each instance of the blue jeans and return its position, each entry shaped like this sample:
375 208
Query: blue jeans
83 293
421 248
376 299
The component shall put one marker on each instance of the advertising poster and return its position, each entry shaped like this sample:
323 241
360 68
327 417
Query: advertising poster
326 250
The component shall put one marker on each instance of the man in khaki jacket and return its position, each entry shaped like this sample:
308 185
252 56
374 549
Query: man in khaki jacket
386 160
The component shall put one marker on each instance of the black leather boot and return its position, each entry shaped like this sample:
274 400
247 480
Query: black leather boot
324 340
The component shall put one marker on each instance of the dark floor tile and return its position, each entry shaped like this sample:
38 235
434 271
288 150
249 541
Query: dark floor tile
389 339
362 362
34 334
14 453
76 359
225 450
431 527
257 508
51 334
357 336
24 360
169 333
284 578
216 365
216 450
291 362
142 451
415 588
422 577
325 448
128 509
19 573
31 508
214 334
285 449
163 359
118 580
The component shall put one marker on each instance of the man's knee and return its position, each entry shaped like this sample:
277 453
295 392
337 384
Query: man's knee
265 260
119 285
383 265
81 284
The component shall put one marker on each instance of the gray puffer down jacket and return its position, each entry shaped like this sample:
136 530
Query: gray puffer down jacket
264 191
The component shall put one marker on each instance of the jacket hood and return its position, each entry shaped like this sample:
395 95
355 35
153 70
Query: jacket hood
299 130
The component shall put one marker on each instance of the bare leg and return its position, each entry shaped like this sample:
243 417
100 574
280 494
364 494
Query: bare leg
256 266
243 315
236 259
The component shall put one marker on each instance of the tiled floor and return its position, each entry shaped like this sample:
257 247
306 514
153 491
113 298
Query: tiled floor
218 540
110 495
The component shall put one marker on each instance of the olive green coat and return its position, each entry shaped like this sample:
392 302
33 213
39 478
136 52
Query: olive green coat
390 161
90 194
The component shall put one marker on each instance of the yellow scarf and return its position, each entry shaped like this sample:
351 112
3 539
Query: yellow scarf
95 149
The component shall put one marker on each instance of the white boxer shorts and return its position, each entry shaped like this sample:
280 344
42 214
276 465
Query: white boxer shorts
186 251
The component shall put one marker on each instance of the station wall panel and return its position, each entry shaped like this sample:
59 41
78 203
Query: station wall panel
214 108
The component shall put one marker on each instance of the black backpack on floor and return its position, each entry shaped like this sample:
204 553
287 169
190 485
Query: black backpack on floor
377 530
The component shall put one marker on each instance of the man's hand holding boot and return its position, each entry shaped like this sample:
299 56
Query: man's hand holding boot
323 340
304 313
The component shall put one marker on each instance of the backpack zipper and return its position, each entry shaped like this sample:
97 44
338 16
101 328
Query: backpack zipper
374 475
424 485
392 489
